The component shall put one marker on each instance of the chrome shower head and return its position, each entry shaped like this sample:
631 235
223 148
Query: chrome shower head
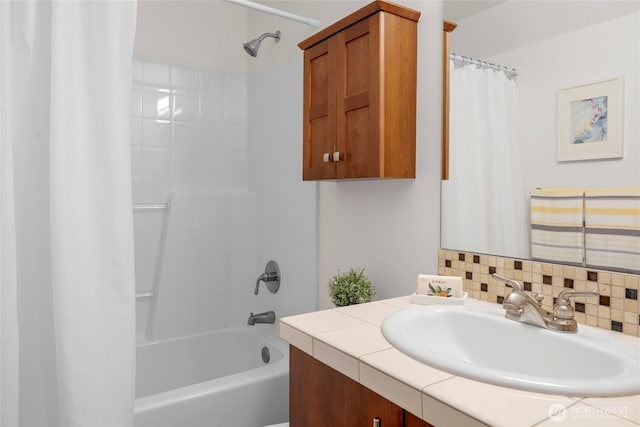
252 47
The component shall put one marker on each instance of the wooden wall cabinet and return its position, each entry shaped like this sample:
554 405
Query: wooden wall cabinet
360 96
322 396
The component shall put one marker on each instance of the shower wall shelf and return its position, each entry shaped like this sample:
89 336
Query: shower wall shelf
359 111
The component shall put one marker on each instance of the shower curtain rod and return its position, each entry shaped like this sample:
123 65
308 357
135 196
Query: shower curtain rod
509 72
272 10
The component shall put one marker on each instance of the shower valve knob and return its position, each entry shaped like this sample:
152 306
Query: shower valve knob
326 157
336 156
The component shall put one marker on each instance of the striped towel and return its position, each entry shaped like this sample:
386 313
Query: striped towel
557 230
612 228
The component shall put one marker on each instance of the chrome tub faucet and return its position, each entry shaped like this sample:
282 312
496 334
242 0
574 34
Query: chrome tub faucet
266 317
521 307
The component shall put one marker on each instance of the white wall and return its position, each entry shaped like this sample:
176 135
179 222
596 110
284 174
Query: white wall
514 23
581 56
574 52
198 34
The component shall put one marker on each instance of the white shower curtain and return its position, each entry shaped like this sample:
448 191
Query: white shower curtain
484 202
67 294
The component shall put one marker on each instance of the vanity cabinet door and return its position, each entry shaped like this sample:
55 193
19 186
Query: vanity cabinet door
321 396
364 407
316 393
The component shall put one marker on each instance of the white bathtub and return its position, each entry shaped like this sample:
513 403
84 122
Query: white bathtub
215 379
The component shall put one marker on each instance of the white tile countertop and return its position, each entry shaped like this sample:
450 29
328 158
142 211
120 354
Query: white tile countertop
349 340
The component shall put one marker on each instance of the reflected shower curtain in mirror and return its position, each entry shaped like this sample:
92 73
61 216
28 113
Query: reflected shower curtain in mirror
484 202
67 333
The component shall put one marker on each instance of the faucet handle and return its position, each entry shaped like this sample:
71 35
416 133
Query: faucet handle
271 277
563 309
510 282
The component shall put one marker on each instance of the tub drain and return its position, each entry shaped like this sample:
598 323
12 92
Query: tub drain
266 354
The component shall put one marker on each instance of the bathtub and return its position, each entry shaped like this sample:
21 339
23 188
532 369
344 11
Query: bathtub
214 379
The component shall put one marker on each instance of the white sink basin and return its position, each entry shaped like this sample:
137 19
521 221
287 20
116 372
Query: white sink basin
481 344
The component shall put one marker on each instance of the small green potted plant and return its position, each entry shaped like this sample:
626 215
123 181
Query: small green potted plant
349 288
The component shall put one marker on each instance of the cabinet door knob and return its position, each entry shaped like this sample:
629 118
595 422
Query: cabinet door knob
376 422
336 156
326 157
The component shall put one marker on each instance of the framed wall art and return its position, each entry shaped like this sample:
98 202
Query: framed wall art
590 118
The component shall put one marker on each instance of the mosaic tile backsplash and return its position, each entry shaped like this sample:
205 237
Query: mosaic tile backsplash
617 308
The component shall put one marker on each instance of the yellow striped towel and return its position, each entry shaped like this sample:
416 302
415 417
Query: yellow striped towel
612 228
557 225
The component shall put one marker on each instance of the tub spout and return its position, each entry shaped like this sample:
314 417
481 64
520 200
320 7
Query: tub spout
266 317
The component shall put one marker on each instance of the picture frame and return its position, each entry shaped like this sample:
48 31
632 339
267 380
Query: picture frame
590 119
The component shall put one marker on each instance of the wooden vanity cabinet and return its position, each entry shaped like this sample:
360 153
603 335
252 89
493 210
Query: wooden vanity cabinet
359 108
321 396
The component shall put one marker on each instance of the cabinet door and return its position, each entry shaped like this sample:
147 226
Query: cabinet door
322 396
364 406
316 394
319 111
358 99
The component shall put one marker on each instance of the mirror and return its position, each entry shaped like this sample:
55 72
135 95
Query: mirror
553 45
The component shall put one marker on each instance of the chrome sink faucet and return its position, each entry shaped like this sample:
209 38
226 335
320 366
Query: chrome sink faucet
521 307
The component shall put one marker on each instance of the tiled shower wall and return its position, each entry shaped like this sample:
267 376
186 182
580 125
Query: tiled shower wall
188 130
189 147
616 309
